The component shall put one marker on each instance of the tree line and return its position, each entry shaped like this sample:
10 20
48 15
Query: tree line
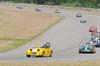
73 3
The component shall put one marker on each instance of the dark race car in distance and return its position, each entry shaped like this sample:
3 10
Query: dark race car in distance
83 21
57 11
19 7
87 48
79 15
37 9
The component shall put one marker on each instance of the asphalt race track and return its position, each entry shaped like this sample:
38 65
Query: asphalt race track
65 38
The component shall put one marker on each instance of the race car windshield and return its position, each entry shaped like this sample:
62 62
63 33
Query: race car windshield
86 47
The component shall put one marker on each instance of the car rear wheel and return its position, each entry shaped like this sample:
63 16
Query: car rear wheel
51 54
94 51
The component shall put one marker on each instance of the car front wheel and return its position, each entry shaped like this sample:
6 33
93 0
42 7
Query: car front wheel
28 55
80 52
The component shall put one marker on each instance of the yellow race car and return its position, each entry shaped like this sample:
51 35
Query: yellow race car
44 51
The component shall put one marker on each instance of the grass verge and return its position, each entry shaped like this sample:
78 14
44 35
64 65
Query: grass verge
15 43
52 63
15 31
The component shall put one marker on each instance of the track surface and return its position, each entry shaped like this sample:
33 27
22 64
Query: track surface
65 38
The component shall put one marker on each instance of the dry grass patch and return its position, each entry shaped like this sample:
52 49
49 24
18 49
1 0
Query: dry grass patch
23 24
8 44
1 13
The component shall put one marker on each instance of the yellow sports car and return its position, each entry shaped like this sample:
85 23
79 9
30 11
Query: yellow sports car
44 51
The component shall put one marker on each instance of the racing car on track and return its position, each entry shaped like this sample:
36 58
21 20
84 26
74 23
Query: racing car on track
83 21
57 11
19 7
87 48
37 9
79 15
97 39
93 29
43 51
97 34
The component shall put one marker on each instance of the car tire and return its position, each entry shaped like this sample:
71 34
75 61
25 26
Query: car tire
80 52
51 54
94 51
28 56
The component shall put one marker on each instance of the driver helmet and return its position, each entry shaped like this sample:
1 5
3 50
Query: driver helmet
48 44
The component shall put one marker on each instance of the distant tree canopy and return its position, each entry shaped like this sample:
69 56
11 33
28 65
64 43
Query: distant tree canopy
74 3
